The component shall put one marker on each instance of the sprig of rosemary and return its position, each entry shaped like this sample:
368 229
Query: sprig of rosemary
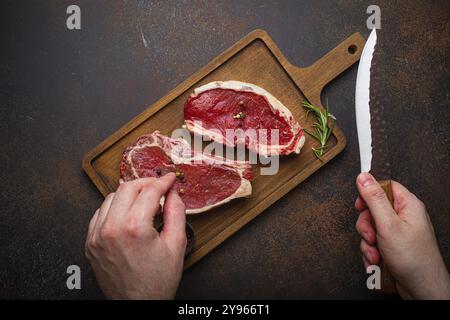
323 131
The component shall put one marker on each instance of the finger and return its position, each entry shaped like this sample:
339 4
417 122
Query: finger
370 252
104 209
403 198
91 227
365 228
92 222
376 200
126 194
360 204
174 230
399 190
366 263
147 203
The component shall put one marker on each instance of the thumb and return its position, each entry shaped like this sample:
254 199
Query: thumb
174 215
376 200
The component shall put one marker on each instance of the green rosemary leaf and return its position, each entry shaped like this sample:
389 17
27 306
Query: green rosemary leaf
322 130
331 128
311 134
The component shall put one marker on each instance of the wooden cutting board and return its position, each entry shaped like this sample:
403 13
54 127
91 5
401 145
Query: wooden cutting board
255 59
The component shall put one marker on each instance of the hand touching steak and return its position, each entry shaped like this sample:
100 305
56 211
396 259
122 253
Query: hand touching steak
204 181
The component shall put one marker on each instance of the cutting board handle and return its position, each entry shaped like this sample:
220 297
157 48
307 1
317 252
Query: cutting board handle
328 67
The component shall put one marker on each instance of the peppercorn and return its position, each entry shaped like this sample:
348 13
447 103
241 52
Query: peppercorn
239 115
179 174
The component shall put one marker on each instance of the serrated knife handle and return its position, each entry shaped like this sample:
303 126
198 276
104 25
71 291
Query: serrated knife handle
387 280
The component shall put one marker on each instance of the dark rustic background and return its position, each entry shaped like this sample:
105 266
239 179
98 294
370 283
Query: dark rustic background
62 92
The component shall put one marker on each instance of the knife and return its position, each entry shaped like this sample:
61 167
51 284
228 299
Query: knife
372 136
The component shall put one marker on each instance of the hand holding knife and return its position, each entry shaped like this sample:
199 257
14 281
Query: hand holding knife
372 137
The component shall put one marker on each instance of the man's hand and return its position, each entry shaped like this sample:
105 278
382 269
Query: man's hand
404 237
130 259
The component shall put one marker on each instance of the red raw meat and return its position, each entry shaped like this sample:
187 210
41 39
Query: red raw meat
221 105
203 182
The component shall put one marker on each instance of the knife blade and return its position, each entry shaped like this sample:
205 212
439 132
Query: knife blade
371 129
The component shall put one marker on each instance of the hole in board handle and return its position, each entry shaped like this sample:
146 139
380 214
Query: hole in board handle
352 49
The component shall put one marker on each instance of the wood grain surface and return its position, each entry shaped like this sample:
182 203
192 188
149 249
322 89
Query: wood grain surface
254 59
388 283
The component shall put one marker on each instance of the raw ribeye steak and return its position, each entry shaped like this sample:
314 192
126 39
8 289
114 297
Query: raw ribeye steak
220 107
203 181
